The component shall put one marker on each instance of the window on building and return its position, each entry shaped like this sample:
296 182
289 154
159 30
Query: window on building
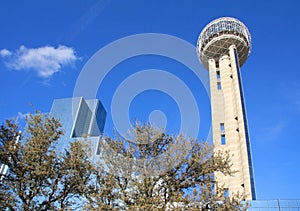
237 129
218 75
222 128
223 139
219 85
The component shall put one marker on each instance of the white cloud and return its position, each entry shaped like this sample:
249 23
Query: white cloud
4 53
45 60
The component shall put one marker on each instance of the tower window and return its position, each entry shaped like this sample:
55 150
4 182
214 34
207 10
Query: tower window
222 128
223 139
218 75
219 85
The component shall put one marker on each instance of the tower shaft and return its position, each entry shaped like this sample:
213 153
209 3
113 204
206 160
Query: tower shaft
229 122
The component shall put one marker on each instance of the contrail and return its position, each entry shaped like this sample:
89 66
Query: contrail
85 20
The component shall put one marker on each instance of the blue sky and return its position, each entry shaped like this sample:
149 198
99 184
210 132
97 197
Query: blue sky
44 45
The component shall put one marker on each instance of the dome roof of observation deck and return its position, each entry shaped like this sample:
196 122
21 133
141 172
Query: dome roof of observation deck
216 38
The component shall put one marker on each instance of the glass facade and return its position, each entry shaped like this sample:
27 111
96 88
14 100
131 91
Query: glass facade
274 205
80 118
98 117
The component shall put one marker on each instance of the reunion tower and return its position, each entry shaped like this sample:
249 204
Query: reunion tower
223 47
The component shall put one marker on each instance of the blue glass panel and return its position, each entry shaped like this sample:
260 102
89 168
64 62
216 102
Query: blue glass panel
78 117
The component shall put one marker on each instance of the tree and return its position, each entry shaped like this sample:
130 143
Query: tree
151 170
148 170
39 178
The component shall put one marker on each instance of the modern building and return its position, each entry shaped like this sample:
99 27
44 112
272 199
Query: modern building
80 119
274 205
223 47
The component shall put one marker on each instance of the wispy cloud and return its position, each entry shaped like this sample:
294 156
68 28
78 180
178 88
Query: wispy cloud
290 94
86 19
4 53
275 130
45 61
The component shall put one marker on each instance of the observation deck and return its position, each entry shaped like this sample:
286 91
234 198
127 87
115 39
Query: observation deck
216 38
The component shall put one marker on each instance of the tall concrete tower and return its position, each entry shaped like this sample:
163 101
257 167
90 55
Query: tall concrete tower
223 47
